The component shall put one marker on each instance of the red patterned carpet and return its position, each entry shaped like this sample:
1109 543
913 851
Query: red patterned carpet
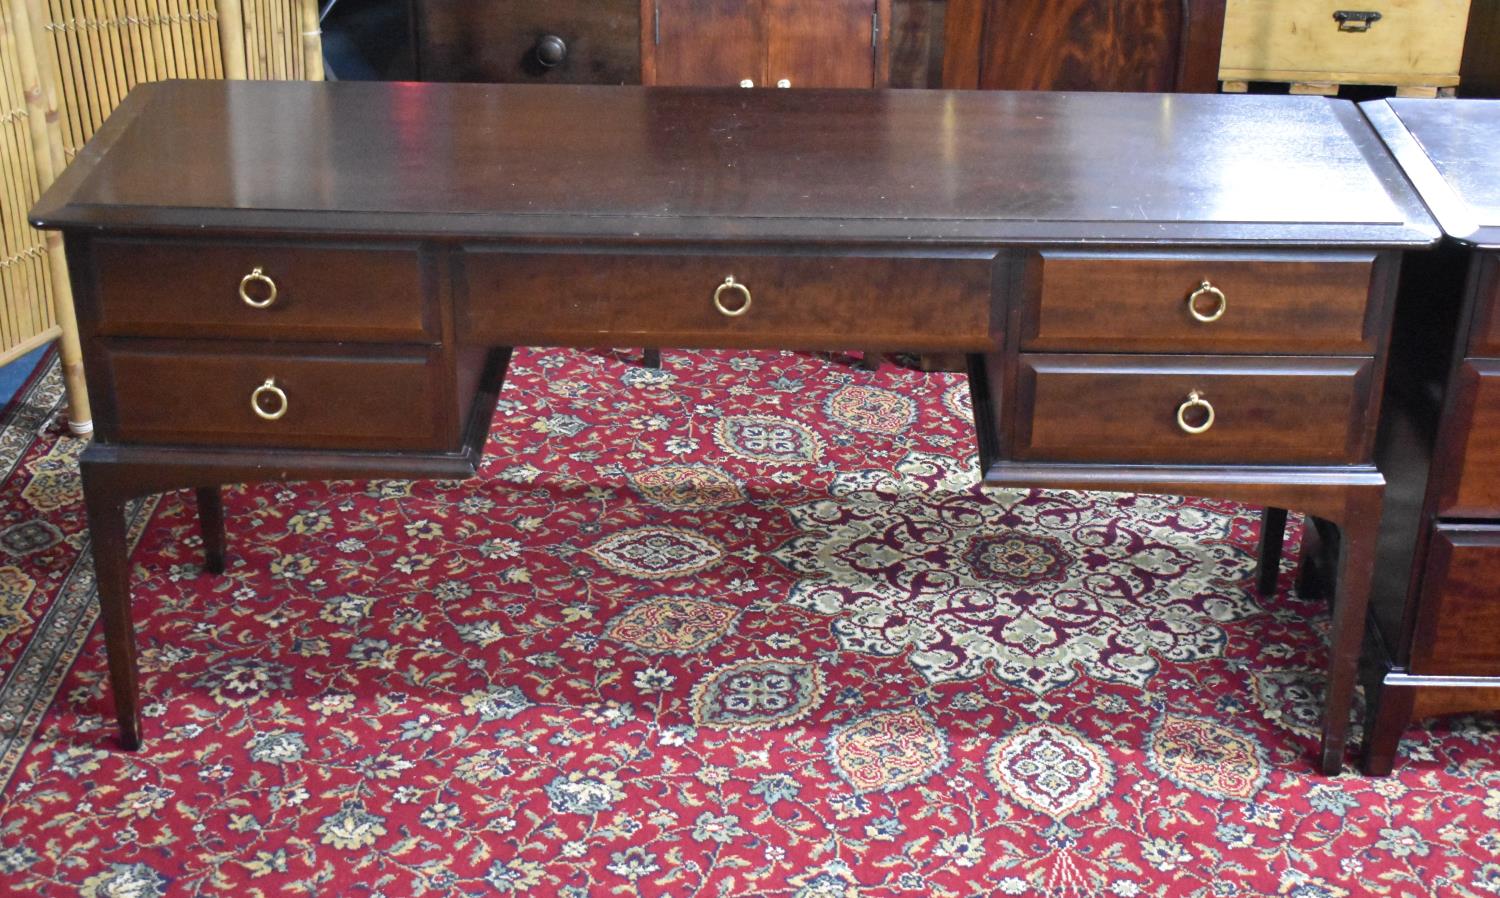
744 626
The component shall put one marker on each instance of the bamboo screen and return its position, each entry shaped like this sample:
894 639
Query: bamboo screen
103 48
88 54
26 314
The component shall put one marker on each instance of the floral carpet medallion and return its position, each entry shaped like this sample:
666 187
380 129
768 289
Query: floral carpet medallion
687 486
871 409
1207 756
672 624
743 626
1051 769
756 694
769 440
887 750
967 585
653 552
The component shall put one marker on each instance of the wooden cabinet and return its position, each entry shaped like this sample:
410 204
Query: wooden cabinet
528 41
1147 45
1437 595
765 43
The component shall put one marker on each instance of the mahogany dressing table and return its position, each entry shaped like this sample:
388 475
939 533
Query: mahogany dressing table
1437 598
1183 294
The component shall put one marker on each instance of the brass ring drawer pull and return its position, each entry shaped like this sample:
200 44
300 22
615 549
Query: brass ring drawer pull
731 284
258 276
1221 303
1194 400
268 389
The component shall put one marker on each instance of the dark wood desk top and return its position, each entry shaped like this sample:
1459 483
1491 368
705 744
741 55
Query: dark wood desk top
1451 151
729 164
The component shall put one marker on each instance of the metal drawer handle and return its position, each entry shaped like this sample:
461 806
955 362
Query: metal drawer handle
1356 20
747 82
784 83
270 389
731 284
258 276
1195 401
1220 306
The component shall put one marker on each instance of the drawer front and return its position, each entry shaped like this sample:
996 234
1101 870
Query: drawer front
1485 339
529 41
201 394
801 301
153 288
1458 621
1126 409
1317 305
1469 453
1413 42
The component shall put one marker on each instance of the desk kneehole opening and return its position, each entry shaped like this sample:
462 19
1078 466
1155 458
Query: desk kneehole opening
1196 414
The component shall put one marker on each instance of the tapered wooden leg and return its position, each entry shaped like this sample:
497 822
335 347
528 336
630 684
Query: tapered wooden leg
871 360
211 523
1356 564
1315 565
1268 556
651 358
111 550
1391 717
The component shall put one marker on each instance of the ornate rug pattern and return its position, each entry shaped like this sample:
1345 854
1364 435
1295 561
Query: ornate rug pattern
741 626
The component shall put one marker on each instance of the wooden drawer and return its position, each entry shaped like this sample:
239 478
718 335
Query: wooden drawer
1469 450
322 292
1286 303
1113 408
1415 42
1458 618
200 393
502 41
1485 338
802 301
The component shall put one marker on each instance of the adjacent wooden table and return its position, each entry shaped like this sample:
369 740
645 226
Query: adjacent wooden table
1437 601
1186 294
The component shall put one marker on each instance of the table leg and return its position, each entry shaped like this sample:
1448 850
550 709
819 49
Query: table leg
105 503
651 358
1356 563
1268 563
211 523
1393 707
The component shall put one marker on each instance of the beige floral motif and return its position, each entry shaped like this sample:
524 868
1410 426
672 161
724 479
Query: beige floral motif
15 589
687 486
674 624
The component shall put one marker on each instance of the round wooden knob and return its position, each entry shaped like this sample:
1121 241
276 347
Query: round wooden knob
551 50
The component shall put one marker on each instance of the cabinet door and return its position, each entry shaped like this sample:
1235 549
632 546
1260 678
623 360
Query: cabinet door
1140 45
821 43
713 43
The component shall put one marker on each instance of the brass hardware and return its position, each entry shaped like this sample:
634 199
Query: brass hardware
731 284
1194 400
258 276
1207 289
747 83
268 388
784 82
1355 21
